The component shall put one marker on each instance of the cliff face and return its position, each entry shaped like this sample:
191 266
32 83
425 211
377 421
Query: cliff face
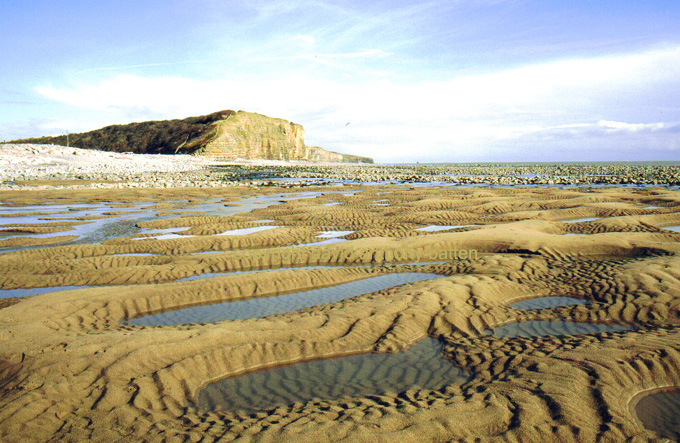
224 135
248 136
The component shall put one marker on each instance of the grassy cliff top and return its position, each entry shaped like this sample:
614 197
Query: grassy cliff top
188 136
152 137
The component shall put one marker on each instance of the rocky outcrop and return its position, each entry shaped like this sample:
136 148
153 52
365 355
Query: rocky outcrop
223 135
247 136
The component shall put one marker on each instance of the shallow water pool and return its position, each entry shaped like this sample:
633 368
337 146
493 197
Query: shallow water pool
105 227
543 328
262 307
333 234
547 302
580 220
21 292
323 242
422 365
440 227
660 412
246 231
249 271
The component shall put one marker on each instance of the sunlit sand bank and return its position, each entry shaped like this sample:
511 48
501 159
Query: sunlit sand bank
73 369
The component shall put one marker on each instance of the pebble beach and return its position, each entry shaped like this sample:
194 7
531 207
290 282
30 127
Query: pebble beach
19 163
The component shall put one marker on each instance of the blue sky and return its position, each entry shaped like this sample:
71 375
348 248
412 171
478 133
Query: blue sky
455 81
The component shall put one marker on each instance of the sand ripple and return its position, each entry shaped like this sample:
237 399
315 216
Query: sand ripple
70 371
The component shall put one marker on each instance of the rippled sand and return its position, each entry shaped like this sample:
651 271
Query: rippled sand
72 370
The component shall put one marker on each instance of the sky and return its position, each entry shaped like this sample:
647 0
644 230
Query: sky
399 81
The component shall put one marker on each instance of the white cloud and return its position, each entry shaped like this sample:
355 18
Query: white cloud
632 127
370 53
307 39
604 128
554 100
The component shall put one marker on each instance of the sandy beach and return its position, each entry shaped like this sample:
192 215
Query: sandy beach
326 222
84 362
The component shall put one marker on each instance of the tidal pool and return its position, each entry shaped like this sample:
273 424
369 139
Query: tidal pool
580 220
323 242
383 202
99 226
333 234
673 228
262 307
21 292
245 231
422 365
103 227
249 271
332 237
165 237
543 328
547 302
660 412
165 230
440 227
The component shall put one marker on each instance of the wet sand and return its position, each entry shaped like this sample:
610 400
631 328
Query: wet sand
659 411
72 370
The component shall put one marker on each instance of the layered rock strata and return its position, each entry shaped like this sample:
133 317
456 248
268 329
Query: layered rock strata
249 136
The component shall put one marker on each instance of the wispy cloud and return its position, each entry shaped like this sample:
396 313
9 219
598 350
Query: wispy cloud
604 140
307 39
606 129
143 65
370 53
611 126
539 103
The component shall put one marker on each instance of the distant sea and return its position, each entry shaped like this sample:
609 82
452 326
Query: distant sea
602 163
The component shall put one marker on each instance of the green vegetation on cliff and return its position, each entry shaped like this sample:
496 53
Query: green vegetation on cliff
350 158
153 137
226 135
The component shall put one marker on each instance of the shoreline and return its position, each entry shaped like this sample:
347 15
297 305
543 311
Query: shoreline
24 166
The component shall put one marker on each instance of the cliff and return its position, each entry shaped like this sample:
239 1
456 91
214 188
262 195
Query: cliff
224 135
245 135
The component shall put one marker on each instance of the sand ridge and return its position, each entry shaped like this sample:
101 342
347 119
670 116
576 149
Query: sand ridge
71 371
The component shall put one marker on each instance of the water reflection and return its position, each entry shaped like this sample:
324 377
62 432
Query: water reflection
422 365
